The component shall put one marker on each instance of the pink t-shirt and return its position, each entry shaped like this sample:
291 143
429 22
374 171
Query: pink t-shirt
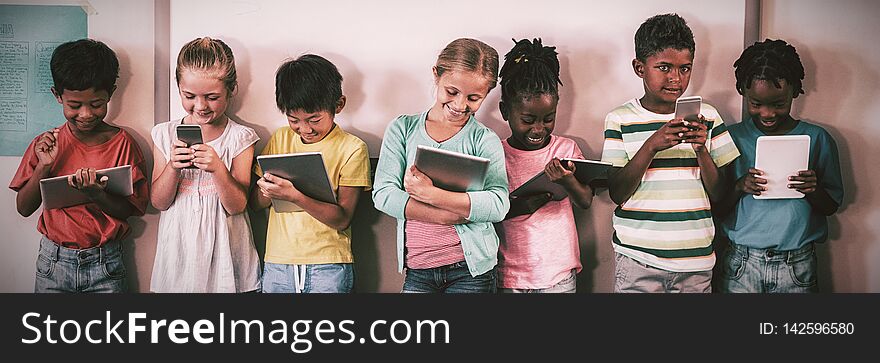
538 250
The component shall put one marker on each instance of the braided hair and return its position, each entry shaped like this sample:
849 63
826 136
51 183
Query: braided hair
529 69
770 60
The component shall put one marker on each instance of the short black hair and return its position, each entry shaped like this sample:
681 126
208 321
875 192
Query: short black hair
529 69
770 60
310 83
82 64
662 32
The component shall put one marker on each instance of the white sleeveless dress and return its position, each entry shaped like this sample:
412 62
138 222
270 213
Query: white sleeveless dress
201 248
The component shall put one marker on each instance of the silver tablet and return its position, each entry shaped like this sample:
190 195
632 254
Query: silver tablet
306 171
450 170
56 193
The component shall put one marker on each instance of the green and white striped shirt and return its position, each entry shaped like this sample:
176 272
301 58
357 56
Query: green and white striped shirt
667 222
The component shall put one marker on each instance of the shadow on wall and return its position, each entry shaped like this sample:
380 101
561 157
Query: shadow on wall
847 71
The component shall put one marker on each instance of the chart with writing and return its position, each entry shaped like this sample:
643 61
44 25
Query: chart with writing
28 35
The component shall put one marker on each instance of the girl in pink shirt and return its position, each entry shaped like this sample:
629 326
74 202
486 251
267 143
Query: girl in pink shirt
539 250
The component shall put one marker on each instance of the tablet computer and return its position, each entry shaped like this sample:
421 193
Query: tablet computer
306 171
56 193
590 172
450 170
780 157
540 184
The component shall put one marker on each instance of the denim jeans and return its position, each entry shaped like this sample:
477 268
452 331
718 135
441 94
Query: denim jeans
451 279
568 285
751 270
305 279
633 276
94 270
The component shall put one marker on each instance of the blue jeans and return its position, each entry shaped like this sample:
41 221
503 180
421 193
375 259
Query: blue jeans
305 279
633 276
751 270
96 270
454 278
568 285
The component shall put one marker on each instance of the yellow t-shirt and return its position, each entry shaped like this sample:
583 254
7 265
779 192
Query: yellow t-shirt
297 237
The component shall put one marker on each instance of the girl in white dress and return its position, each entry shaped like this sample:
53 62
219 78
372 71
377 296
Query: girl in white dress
205 242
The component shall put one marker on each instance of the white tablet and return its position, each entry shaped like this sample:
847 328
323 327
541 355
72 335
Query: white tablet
780 157
56 193
306 171
450 170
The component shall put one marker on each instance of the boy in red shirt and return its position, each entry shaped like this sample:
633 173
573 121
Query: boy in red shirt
80 250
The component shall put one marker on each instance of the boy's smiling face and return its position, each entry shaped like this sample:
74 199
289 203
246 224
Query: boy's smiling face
770 106
666 76
84 110
314 126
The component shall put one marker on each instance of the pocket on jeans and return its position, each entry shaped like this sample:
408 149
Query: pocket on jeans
114 269
45 266
734 265
803 272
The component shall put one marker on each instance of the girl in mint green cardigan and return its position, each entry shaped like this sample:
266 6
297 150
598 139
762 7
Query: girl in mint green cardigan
446 239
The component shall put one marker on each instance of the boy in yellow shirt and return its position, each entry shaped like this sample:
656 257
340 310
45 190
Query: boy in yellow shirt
309 251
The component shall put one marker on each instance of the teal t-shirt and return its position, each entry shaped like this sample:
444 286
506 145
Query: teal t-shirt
782 224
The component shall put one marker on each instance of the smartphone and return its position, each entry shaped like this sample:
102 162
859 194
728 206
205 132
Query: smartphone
191 135
688 108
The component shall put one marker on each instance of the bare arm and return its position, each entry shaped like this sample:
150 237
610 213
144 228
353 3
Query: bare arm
166 174
581 195
624 182
421 188
28 198
337 216
232 184
709 172
416 210
86 180
806 182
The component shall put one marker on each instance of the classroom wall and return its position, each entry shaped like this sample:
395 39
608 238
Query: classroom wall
837 41
385 50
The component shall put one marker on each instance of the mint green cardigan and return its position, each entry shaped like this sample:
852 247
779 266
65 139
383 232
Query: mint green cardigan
488 204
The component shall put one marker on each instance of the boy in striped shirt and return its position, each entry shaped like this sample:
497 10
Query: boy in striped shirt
663 227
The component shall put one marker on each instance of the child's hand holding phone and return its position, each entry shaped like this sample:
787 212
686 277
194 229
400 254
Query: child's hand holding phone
181 155
698 133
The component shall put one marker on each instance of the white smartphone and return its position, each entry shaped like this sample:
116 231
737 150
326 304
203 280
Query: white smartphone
688 108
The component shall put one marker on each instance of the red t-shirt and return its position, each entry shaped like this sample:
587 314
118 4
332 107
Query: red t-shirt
86 225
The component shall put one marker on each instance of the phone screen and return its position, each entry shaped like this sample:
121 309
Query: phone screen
190 134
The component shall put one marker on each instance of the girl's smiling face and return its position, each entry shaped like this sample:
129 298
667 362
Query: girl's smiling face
204 97
531 121
459 94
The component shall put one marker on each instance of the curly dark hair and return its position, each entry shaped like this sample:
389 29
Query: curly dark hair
529 69
661 32
770 60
